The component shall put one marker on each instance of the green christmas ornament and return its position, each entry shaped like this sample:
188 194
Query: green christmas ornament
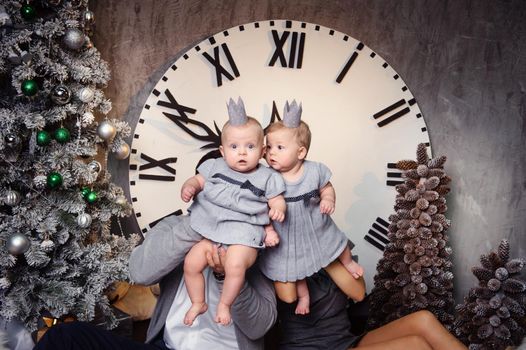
85 192
29 87
92 197
28 12
43 138
54 180
62 135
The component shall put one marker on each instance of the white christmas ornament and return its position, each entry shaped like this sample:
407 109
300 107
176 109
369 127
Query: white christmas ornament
12 198
86 94
106 130
84 220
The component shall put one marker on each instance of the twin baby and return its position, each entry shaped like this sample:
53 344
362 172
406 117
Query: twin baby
246 206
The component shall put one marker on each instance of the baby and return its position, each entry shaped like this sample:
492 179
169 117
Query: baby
231 200
309 239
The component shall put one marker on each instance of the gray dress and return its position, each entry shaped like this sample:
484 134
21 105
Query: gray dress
309 240
233 208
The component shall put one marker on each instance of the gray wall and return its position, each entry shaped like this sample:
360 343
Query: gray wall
465 62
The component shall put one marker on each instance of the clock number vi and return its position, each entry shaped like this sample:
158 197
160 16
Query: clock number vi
295 58
154 163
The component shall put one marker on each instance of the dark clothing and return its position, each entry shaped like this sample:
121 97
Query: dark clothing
86 336
327 326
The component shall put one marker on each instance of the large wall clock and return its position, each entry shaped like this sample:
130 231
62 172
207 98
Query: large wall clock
362 114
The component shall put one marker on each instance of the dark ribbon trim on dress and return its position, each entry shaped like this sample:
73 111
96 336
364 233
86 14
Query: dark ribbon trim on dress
244 185
303 197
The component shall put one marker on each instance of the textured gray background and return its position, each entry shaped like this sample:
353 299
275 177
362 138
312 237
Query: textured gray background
465 62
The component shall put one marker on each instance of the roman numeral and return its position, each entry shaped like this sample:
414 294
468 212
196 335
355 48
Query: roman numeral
387 111
173 104
349 63
295 58
274 116
394 175
177 212
377 235
154 163
220 70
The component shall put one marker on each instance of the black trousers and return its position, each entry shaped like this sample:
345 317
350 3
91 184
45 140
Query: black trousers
85 336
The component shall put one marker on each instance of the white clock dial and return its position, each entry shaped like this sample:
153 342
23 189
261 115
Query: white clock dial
360 111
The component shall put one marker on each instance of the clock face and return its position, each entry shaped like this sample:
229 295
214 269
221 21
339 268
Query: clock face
362 116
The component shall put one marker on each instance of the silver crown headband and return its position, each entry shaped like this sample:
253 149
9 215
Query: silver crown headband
236 112
292 114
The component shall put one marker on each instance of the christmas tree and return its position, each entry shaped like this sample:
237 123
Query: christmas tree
57 254
415 270
493 314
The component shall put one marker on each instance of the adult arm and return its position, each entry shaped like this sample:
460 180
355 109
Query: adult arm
163 249
254 311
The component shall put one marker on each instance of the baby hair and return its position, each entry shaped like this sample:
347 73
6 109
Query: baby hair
302 132
251 122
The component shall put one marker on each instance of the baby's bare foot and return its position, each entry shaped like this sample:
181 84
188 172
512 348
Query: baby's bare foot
195 310
223 314
303 306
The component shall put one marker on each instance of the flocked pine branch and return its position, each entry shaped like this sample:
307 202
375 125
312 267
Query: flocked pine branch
57 254
415 270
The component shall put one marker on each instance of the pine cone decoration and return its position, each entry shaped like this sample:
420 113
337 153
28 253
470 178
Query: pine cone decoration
492 315
415 271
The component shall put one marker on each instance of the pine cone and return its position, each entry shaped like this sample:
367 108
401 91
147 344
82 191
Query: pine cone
406 164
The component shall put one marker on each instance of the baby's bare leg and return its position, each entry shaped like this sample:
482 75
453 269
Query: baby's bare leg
355 269
238 259
303 297
194 264
286 291
353 288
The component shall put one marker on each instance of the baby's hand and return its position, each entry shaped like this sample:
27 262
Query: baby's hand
276 215
271 238
187 193
355 269
327 206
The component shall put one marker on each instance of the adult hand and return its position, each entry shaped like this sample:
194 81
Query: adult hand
216 258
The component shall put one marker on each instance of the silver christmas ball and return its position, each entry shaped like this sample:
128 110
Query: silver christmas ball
121 200
10 139
94 166
12 198
89 17
60 94
84 220
74 38
17 244
106 130
123 152
86 94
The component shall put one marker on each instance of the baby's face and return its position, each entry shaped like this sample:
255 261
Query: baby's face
242 147
283 150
